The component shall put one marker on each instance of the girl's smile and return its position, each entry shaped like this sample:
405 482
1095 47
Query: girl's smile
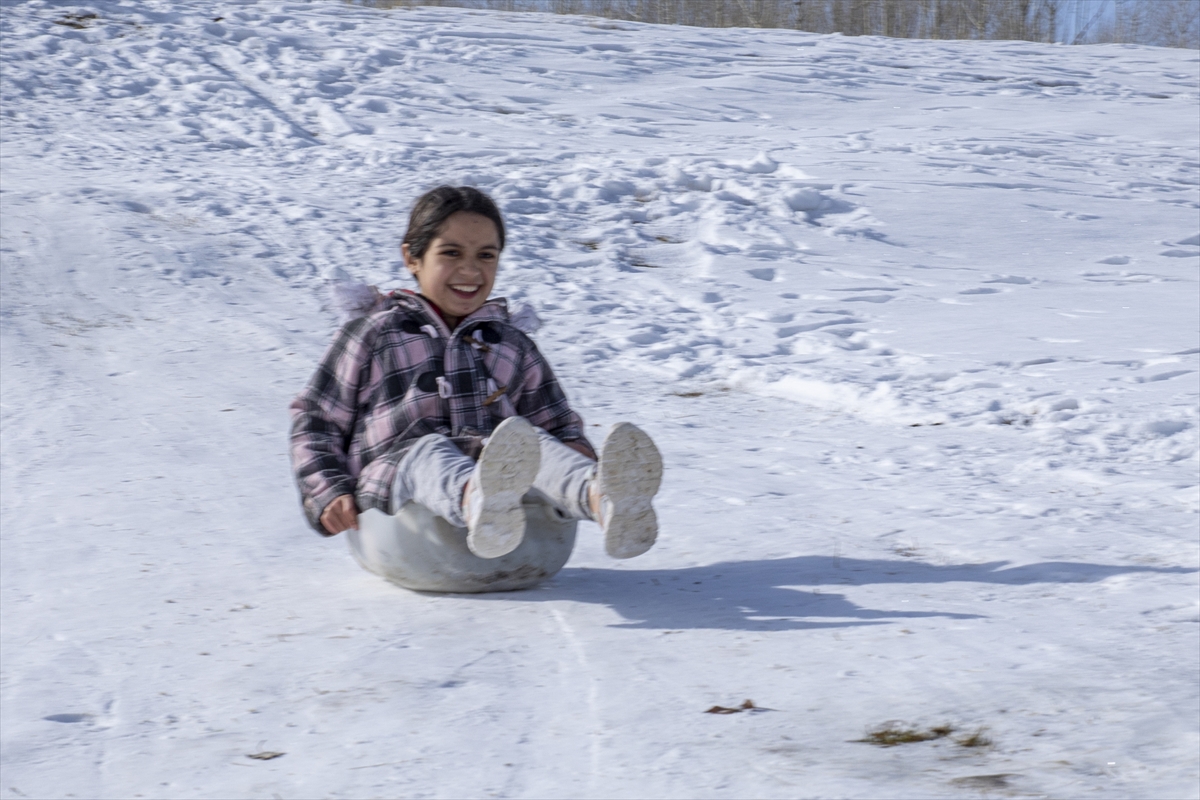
465 291
458 269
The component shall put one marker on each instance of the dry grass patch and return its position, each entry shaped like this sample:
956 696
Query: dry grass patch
893 733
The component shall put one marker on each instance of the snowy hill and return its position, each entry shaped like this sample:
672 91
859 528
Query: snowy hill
914 323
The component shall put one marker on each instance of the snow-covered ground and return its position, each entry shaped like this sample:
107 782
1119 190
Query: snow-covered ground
915 325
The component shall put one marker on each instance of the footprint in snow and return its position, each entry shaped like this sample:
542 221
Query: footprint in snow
1163 376
1165 427
1121 278
653 336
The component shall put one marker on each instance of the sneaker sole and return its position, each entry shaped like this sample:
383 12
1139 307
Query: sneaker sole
630 473
507 468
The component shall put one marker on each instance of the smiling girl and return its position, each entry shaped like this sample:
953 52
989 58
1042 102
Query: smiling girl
438 398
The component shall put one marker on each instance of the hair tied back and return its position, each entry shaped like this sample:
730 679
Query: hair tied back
433 208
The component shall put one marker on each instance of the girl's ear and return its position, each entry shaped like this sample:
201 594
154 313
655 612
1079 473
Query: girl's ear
413 264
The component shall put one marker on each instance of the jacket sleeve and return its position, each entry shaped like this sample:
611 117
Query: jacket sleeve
323 418
543 402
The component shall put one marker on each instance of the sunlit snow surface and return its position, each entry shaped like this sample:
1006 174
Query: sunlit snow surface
914 324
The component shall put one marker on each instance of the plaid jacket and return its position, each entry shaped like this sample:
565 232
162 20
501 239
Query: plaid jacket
399 374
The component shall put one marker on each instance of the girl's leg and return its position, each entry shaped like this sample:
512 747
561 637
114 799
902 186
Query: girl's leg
484 496
433 473
564 477
616 492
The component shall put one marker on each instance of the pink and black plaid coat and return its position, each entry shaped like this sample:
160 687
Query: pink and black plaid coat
391 377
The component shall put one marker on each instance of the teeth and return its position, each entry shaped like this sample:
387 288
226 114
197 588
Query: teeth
463 288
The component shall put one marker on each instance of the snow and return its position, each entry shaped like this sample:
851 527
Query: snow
914 324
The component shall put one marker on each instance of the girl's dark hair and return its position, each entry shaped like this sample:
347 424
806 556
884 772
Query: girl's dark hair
433 208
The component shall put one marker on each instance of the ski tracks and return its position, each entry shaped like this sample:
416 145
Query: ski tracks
582 672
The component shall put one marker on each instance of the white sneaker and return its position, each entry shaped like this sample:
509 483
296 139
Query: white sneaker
627 478
505 471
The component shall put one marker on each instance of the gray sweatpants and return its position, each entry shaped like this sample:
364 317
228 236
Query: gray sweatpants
434 471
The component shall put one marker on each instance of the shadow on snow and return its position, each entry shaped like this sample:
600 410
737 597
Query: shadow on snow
771 594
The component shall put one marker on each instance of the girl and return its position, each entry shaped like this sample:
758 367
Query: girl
437 398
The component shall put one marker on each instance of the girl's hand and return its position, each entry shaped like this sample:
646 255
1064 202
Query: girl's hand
340 515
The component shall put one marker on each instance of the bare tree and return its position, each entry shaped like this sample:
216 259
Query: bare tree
1171 23
1175 23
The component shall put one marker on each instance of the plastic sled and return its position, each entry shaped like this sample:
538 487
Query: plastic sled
421 551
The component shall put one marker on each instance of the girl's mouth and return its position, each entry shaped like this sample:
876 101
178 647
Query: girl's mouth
465 291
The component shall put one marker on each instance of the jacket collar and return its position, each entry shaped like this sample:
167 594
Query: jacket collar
494 310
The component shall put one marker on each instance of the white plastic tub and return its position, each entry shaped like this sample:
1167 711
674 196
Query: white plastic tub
421 551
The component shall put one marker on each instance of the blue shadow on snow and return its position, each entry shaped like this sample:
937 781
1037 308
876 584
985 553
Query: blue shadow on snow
765 595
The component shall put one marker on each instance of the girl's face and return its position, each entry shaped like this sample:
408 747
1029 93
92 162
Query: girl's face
459 267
